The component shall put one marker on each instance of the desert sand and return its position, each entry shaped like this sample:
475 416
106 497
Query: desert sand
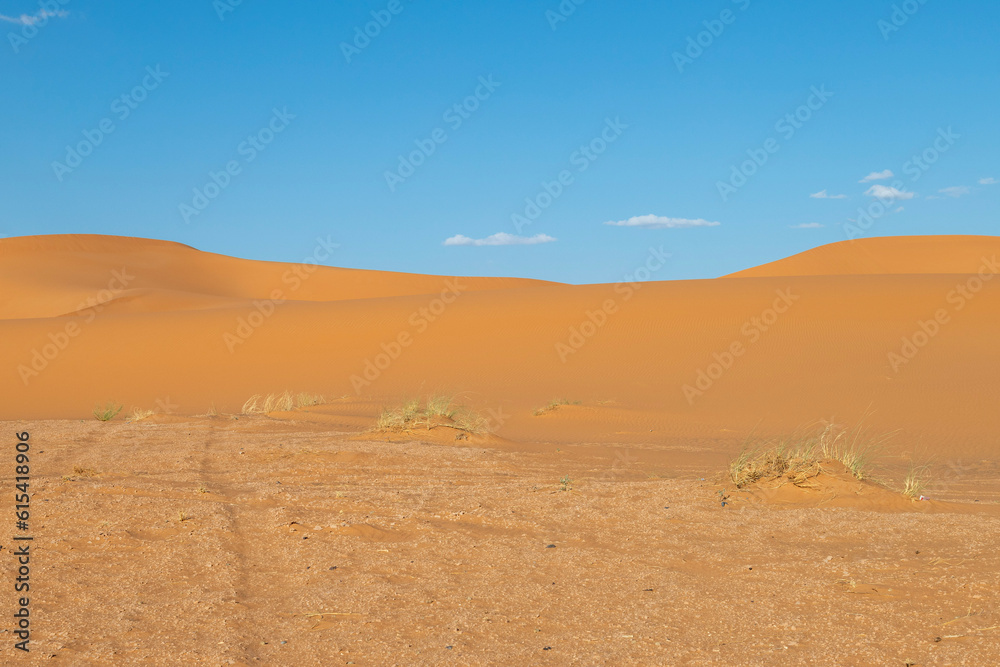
591 520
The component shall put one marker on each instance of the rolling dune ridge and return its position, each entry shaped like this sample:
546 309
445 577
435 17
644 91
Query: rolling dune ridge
857 333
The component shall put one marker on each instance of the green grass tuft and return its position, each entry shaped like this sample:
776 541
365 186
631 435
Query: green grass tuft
108 412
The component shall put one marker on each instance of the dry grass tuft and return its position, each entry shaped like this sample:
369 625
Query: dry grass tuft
800 458
915 481
437 410
138 415
107 412
283 402
309 400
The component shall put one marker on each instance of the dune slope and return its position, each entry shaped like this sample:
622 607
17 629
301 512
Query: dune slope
908 337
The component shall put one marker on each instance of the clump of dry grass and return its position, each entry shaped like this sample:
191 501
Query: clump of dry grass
107 412
795 462
304 400
800 458
283 402
138 414
554 405
436 410
915 481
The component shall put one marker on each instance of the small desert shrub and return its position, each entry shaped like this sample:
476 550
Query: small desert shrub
107 412
437 410
554 405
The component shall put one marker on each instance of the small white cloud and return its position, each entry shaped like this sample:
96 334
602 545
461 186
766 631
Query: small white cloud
660 222
501 238
808 225
32 19
899 210
877 176
888 192
956 191
822 194
988 181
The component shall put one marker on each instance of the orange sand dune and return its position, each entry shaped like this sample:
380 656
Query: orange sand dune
890 255
905 329
57 275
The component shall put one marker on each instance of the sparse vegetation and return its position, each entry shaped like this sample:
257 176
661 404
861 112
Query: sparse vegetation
308 400
436 410
915 481
799 459
107 412
283 402
138 414
554 405
565 484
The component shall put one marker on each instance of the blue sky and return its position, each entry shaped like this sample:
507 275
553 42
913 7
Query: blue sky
302 130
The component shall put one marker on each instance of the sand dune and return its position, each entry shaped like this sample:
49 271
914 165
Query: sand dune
902 328
59 275
916 255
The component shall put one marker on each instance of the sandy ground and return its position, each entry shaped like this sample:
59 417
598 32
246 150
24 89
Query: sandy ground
251 540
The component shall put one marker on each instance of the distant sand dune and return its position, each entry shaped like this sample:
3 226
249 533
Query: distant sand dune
194 328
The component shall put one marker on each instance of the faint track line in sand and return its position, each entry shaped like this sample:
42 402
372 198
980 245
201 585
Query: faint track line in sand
213 477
